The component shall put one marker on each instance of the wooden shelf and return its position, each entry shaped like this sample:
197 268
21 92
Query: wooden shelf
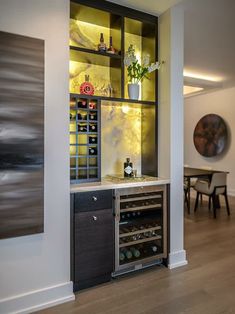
131 209
128 234
96 52
114 99
140 241
93 57
131 199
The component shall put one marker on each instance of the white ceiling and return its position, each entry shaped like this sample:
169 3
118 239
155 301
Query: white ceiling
154 7
210 38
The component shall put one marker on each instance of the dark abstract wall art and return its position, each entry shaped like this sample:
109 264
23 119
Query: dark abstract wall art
210 135
21 135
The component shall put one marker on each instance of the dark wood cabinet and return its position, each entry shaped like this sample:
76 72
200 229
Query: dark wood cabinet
92 239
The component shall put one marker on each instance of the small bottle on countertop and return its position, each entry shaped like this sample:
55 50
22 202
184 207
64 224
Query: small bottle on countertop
128 167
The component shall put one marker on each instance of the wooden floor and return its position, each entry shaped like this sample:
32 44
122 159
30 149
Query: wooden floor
205 286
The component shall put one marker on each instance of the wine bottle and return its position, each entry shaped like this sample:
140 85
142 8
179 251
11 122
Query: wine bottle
93 128
128 167
121 257
82 103
92 116
127 253
82 128
135 252
92 104
111 49
81 116
154 248
102 46
92 140
92 151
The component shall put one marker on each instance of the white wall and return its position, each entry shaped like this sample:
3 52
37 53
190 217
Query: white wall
171 33
219 102
36 269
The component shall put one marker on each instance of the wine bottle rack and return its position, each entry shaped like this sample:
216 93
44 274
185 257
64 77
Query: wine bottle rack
140 227
84 139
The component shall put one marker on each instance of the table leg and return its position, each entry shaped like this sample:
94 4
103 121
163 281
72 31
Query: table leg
189 184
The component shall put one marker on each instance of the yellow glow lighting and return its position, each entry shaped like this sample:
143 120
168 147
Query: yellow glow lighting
191 89
125 108
200 76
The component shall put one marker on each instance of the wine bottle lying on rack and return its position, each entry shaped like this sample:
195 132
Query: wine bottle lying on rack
135 252
127 253
82 128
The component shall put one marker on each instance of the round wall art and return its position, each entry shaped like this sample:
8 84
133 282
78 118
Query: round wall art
210 135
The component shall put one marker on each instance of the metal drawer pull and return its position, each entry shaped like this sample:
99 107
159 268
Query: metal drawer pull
94 198
95 218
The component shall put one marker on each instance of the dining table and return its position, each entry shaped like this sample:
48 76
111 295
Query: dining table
198 173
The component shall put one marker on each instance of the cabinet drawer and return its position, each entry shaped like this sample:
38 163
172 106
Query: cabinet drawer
88 201
94 244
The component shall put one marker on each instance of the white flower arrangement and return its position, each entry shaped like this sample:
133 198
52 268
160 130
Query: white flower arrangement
137 72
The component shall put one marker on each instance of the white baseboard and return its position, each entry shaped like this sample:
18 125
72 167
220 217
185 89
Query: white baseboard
177 259
231 192
38 299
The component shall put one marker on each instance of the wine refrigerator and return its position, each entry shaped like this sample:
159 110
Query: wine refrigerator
140 228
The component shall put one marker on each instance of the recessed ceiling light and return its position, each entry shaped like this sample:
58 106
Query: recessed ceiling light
200 76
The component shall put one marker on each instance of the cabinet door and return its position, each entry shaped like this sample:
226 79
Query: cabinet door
94 246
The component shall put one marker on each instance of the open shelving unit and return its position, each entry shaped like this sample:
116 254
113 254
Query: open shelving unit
107 73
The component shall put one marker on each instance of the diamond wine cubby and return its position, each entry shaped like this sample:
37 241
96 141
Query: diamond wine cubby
84 139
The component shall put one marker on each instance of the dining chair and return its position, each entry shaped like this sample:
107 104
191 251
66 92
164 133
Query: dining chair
205 179
213 189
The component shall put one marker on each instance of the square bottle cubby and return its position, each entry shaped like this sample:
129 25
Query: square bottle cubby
84 139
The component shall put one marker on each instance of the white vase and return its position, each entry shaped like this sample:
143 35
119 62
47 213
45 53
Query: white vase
133 91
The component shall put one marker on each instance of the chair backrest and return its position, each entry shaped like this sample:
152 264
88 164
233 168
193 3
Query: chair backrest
218 179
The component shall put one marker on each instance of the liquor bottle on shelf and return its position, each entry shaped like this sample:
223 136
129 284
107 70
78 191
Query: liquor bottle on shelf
82 127
82 103
128 166
111 49
92 127
127 253
92 140
92 150
135 252
102 46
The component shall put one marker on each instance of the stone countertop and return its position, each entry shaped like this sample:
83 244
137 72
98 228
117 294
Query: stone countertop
111 183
